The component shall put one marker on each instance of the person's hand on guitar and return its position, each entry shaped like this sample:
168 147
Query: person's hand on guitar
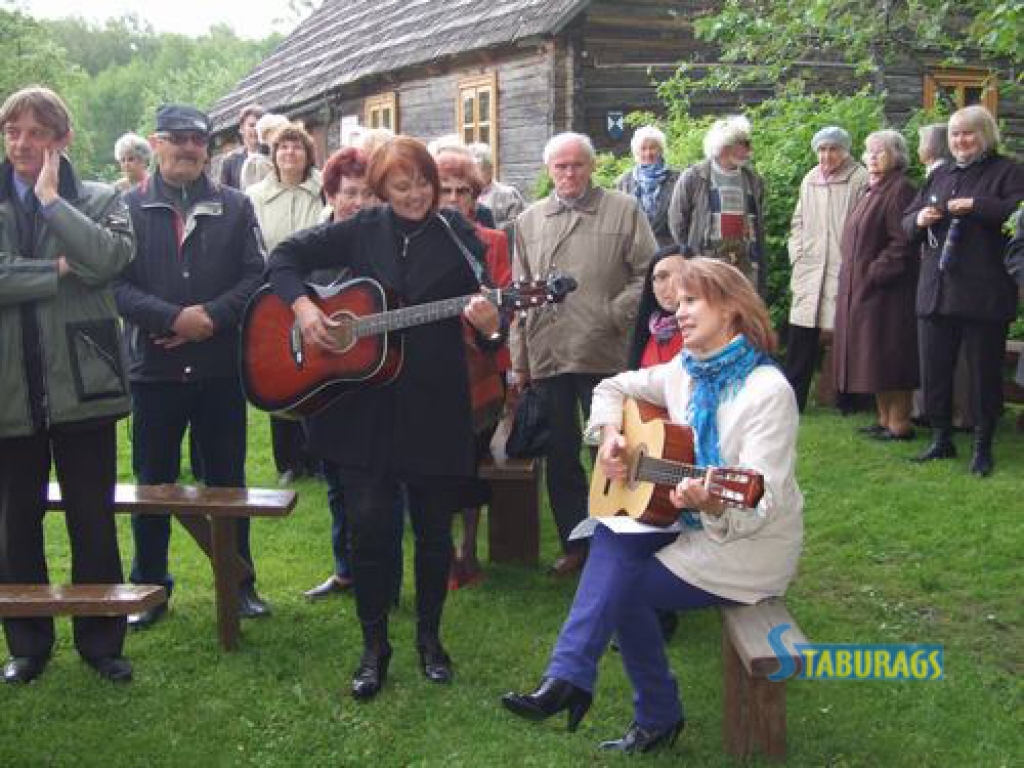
692 493
612 453
315 326
483 315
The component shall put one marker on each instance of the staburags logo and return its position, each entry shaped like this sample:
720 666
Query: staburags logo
855 661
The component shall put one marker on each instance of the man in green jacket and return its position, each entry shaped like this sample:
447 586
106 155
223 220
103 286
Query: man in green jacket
63 382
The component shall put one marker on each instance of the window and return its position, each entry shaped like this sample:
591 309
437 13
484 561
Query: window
477 112
958 87
382 111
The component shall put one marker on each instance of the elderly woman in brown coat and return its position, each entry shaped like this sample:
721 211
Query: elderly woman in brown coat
875 333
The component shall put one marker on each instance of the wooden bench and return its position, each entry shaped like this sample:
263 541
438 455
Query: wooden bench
209 515
34 600
514 511
754 707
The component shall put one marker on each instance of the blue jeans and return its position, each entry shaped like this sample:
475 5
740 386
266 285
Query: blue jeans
621 588
213 410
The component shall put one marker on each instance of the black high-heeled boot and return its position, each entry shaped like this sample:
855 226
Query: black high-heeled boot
637 739
372 671
552 697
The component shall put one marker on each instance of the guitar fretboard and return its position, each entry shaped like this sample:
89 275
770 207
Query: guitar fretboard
663 472
407 317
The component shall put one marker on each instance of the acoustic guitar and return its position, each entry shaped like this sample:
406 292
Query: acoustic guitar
282 375
659 455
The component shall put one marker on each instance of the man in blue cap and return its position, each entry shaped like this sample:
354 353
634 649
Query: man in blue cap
199 258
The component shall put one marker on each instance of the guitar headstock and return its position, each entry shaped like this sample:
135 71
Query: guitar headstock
527 294
737 488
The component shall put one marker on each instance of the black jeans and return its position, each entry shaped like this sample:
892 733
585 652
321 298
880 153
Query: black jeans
86 463
801 360
370 508
568 488
214 412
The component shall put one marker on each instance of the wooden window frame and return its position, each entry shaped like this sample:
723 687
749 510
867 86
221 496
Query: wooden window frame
382 102
487 82
959 78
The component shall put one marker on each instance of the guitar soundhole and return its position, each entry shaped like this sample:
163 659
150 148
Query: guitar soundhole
344 334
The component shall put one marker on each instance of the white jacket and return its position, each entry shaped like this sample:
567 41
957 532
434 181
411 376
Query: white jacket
746 554
282 211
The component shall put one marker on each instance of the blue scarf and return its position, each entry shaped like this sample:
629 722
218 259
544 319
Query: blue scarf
648 183
716 379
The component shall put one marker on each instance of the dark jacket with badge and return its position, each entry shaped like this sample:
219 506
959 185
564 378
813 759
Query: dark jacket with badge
212 256
417 428
60 338
976 284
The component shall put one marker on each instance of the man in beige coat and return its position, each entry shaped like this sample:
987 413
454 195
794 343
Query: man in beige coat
827 195
602 239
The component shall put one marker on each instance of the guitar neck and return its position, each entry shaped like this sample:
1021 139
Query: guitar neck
408 317
665 472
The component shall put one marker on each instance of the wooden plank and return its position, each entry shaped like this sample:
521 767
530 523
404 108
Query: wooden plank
747 626
194 500
513 523
504 468
34 600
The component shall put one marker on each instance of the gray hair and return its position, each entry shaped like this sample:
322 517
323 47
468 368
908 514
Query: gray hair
979 120
934 142
268 124
482 155
834 135
894 143
560 140
449 142
723 133
647 133
132 144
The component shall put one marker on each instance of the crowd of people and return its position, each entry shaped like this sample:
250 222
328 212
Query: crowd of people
128 301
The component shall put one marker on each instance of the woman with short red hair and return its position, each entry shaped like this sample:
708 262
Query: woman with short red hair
418 430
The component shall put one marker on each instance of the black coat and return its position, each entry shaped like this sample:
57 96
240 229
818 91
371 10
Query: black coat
977 285
213 256
419 427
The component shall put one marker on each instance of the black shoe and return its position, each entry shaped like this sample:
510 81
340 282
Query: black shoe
251 605
334 585
941 447
147 618
24 669
435 662
114 669
872 430
981 462
371 673
549 699
637 739
888 436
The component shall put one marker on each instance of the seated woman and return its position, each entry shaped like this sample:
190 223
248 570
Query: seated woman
743 413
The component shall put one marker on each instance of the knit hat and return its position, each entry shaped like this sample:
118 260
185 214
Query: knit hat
834 135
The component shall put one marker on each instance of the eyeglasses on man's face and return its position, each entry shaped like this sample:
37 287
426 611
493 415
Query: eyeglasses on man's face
181 138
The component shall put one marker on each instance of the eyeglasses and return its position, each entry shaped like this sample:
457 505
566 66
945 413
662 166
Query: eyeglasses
457 191
181 138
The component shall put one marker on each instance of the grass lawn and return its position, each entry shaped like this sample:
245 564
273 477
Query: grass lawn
894 552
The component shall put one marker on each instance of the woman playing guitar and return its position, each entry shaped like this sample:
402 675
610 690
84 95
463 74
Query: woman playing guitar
417 429
743 413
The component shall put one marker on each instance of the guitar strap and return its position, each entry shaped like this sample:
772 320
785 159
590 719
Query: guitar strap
474 264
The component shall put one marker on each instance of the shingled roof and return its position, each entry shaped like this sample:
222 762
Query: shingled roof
344 41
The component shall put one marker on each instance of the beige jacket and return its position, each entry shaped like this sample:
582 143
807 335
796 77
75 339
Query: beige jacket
282 211
815 231
605 243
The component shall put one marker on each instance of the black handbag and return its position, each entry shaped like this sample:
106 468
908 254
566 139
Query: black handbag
528 435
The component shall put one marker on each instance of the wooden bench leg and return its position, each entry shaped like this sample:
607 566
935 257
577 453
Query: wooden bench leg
223 551
199 530
513 525
753 710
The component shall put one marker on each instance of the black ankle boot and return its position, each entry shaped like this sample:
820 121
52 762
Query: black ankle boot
981 461
434 660
637 739
941 448
549 699
372 671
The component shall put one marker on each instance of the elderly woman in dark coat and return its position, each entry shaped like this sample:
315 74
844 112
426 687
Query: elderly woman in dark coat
651 181
875 335
965 297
